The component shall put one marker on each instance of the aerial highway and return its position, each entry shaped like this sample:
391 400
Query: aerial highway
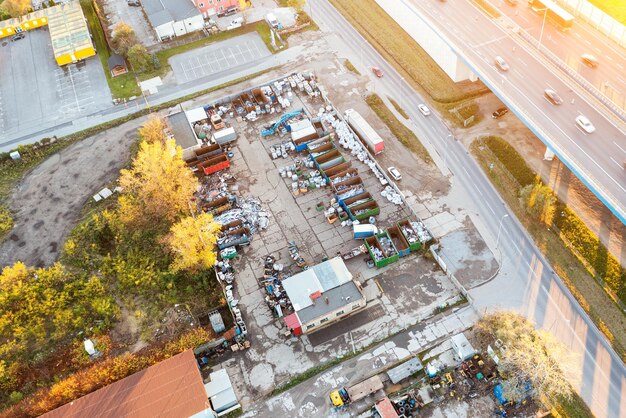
526 282
609 77
597 158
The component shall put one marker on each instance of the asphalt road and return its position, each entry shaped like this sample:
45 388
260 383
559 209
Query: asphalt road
527 282
609 77
597 158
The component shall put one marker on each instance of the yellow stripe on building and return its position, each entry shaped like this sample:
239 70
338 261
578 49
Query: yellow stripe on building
68 29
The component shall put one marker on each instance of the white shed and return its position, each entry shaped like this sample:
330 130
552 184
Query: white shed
463 350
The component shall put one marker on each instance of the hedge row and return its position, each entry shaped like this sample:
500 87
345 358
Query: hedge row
513 162
582 239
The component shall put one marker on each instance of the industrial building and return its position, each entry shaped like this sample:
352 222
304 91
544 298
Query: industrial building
211 8
172 388
321 295
171 18
69 34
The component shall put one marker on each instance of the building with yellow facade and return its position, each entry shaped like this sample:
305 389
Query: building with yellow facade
71 41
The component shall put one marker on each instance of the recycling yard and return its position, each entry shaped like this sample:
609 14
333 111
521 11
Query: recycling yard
292 186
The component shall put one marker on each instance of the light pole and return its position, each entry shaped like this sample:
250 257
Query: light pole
545 15
500 228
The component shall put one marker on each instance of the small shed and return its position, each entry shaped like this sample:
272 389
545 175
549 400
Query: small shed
406 369
220 391
293 323
463 350
117 65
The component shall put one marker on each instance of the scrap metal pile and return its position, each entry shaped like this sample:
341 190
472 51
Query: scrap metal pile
276 297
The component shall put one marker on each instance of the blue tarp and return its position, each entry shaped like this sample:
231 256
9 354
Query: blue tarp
498 393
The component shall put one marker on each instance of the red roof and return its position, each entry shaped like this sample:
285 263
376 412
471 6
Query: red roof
385 408
171 388
292 321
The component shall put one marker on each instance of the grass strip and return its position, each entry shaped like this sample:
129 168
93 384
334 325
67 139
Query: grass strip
123 86
398 108
397 128
350 67
399 48
590 295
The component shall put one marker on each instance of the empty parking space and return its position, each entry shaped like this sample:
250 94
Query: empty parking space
217 58
36 93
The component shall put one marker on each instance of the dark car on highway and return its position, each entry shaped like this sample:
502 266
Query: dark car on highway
552 97
500 112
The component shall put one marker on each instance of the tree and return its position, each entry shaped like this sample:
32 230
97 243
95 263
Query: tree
296 4
157 188
534 362
193 241
138 57
123 38
153 131
16 8
39 308
540 201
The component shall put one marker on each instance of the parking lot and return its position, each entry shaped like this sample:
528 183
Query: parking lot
218 58
34 90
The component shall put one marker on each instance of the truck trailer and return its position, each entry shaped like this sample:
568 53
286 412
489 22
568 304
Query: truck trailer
354 393
365 132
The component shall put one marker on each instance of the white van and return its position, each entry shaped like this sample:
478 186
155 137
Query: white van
271 20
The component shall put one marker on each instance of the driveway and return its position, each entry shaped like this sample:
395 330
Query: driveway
119 11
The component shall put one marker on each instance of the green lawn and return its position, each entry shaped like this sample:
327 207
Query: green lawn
123 86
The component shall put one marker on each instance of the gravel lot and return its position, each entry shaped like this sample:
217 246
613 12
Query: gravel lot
47 203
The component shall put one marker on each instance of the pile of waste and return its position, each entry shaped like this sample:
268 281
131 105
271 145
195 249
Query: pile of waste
392 195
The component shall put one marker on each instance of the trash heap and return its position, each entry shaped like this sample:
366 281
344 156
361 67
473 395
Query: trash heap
392 195
276 297
248 210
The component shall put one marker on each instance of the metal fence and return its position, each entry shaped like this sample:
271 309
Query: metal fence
601 21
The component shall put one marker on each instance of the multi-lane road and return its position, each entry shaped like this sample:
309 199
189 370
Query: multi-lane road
610 75
526 282
597 158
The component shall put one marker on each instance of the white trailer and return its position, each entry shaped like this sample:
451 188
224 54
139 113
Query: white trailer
364 130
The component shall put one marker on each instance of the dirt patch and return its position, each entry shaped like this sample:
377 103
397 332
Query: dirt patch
568 187
47 203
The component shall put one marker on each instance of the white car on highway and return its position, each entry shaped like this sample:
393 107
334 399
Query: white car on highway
425 111
501 63
585 124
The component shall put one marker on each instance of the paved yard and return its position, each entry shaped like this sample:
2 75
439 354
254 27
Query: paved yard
119 11
218 58
34 90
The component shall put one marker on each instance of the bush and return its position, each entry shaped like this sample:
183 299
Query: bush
6 221
513 161
587 244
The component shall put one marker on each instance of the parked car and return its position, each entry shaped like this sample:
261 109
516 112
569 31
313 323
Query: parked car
585 124
394 173
18 36
552 97
501 63
500 112
425 110
589 60
377 71
134 3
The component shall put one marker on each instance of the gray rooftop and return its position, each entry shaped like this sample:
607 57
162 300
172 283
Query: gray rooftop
331 300
182 130
404 370
160 12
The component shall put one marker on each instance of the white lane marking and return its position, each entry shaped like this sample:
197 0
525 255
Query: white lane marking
609 58
577 35
623 150
587 42
621 67
618 164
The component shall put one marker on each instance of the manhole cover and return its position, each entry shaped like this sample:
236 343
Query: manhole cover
5 43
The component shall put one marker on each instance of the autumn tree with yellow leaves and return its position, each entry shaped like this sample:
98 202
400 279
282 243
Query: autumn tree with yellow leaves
16 8
534 363
157 189
192 242
153 130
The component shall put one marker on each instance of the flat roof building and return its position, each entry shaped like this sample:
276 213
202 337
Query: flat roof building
171 18
321 295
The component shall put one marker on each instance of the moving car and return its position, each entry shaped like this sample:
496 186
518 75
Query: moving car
500 112
589 60
425 110
377 71
585 124
393 172
552 97
501 63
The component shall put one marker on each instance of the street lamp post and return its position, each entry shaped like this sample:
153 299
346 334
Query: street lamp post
545 15
500 228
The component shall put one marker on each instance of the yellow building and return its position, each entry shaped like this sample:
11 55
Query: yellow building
71 41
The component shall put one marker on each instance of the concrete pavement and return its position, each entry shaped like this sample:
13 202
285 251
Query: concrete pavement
527 282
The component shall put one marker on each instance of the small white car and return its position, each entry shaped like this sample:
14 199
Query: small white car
425 110
393 172
585 124
501 63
